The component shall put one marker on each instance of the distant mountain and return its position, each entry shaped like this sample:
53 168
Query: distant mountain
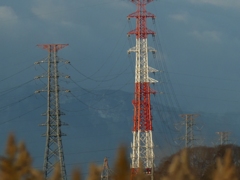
99 121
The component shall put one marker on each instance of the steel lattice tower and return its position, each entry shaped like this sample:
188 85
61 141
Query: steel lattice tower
106 171
53 149
223 137
189 123
142 145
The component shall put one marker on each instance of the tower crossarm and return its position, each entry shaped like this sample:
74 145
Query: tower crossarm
151 80
52 47
151 49
46 90
58 60
147 32
144 2
45 75
146 14
152 70
133 49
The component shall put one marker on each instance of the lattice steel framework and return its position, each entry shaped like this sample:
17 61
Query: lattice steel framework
142 145
106 171
54 148
223 137
189 124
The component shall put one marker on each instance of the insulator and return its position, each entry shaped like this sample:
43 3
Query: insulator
154 54
153 19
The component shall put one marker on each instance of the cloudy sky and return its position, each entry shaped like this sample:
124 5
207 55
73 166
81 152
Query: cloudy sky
198 40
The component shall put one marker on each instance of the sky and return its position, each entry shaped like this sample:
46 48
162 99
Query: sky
199 41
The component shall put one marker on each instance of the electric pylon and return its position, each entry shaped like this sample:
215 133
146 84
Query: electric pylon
189 124
223 137
54 148
142 145
106 171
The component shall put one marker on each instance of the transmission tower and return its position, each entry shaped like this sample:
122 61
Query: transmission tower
53 149
106 171
142 145
223 138
189 124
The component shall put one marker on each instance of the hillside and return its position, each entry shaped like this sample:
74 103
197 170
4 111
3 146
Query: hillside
203 161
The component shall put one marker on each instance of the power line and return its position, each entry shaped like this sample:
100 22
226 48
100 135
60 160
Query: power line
14 88
22 114
207 77
103 64
91 106
11 104
16 73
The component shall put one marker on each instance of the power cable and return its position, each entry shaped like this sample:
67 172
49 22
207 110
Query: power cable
90 106
106 59
15 73
11 104
14 88
21 115
95 80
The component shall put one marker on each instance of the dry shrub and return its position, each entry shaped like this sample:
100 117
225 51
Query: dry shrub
76 175
121 168
94 173
204 162
225 168
17 163
179 169
56 173
141 175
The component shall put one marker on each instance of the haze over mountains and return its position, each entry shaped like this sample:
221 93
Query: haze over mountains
99 121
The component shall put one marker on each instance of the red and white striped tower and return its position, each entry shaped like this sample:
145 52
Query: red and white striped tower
142 145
